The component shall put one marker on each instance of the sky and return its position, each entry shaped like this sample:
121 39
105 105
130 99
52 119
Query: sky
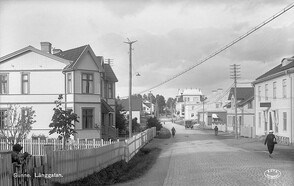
171 35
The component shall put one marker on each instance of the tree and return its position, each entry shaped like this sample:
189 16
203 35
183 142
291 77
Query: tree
145 97
135 125
18 123
169 103
63 121
154 122
121 121
161 103
151 98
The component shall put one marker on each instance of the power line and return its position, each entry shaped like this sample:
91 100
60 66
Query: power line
224 47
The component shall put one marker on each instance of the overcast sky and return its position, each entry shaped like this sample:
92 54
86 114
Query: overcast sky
172 35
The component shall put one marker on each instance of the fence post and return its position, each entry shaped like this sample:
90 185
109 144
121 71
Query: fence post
126 147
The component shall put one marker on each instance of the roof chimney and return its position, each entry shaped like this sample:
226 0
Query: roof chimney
55 50
46 47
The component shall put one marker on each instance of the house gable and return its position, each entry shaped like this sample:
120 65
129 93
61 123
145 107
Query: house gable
30 58
31 61
86 62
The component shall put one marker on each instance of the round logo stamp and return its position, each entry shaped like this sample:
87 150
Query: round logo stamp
272 174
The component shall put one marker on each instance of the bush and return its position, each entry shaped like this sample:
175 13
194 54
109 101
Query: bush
154 122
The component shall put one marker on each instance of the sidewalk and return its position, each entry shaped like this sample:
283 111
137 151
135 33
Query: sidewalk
285 152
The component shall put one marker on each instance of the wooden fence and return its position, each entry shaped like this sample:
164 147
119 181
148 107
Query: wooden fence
68 165
35 147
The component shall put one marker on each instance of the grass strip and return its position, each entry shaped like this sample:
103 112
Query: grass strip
120 171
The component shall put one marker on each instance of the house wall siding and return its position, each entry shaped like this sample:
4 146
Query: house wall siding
278 104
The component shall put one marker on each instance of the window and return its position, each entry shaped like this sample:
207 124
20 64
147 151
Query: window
266 91
2 118
3 84
284 121
25 83
259 119
110 90
284 88
87 115
69 83
259 93
274 90
87 83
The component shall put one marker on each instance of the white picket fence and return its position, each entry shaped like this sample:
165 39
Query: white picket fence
35 147
73 164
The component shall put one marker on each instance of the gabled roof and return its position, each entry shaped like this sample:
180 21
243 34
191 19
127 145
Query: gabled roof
136 103
109 74
148 104
32 49
277 69
243 93
72 54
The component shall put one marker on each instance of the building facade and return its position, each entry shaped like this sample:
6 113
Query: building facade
33 77
245 109
274 92
187 102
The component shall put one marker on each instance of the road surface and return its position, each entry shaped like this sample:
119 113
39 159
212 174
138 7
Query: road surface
196 157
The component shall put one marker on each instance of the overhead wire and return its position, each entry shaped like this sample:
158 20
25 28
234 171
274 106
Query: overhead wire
213 54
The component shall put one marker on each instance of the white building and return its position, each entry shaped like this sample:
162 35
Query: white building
187 102
211 111
245 111
274 93
33 77
148 107
137 107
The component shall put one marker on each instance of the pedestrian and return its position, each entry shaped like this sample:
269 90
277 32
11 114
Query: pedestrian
215 130
15 154
173 131
270 140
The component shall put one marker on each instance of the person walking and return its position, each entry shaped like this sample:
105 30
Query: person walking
270 140
173 131
215 130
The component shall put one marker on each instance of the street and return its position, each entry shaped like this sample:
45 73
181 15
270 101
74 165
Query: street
196 157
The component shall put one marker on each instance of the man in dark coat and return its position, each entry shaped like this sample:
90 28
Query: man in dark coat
15 154
270 140
173 131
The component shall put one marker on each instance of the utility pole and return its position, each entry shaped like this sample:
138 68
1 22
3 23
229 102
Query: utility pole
203 98
235 74
130 86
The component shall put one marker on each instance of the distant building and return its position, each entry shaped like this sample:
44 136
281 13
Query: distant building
245 109
274 91
148 107
33 77
137 107
187 101
212 111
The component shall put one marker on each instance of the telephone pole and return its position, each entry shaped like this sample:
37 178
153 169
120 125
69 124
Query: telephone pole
235 74
130 85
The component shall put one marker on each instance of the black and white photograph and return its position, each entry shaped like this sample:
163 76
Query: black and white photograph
146 92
